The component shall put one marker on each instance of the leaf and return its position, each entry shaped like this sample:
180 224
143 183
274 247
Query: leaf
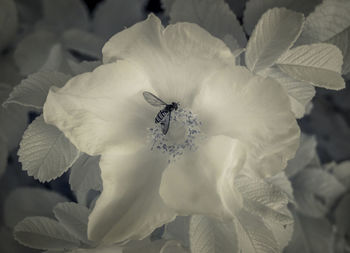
56 59
173 247
342 172
10 245
66 14
274 34
32 51
256 8
13 121
311 236
83 42
330 23
281 181
82 67
315 191
253 235
209 235
8 23
44 233
29 201
342 41
319 64
45 152
3 156
304 155
329 19
85 175
178 230
111 17
213 15
237 6
33 90
300 93
342 216
74 218
259 191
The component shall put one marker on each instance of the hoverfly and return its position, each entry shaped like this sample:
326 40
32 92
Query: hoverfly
163 116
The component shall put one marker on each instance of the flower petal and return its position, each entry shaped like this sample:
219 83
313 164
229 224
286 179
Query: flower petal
252 109
130 206
102 108
202 182
177 58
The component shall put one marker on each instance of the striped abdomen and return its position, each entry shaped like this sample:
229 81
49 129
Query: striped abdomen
161 114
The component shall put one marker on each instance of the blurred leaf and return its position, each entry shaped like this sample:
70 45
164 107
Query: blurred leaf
33 50
213 15
82 67
311 236
44 233
45 152
8 22
315 191
111 17
342 172
29 201
3 156
83 42
237 6
304 155
274 34
10 245
66 14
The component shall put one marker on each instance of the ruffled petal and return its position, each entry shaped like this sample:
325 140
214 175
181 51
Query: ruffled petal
252 109
103 108
130 206
201 182
177 58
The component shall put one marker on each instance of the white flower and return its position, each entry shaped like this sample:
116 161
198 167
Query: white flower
229 121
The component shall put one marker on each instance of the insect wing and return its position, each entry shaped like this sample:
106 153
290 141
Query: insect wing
152 99
165 123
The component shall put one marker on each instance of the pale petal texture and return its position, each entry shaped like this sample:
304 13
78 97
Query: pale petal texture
259 115
274 34
163 53
202 181
130 185
99 109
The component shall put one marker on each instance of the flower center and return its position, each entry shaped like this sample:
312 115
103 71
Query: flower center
184 134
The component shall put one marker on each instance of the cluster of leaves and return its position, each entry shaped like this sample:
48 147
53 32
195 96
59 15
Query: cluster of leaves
300 53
